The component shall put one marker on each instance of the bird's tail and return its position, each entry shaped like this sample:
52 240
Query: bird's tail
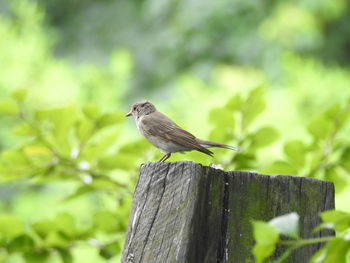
209 144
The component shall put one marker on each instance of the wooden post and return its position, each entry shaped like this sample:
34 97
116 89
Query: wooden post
186 212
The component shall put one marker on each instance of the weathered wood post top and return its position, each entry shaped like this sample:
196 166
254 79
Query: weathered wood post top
186 212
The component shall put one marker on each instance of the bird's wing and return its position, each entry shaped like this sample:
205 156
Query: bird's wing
157 124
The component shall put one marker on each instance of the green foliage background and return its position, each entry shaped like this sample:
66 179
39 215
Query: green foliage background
269 76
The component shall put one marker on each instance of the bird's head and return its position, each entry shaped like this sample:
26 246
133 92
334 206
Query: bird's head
140 109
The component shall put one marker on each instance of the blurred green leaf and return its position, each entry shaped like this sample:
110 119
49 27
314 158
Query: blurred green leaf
345 159
65 223
245 160
135 147
254 105
106 221
266 238
92 111
110 250
103 184
10 226
284 256
108 119
16 156
117 160
60 123
264 137
61 118
82 190
43 227
316 161
19 95
84 129
287 225
8 107
340 220
56 239
57 231
25 129
295 151
337 115
335 251
33 149
221 135
235 103
280 167
222 117
21 243
333 174
36 256
65 255
321 127
104 142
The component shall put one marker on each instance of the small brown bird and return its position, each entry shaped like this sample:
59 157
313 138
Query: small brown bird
166 135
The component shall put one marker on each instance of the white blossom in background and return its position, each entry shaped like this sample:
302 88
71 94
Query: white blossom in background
84 165
87 179
74 153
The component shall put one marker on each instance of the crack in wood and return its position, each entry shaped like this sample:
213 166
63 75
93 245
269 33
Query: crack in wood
222 252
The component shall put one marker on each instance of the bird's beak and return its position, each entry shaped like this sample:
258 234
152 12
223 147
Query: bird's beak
128 114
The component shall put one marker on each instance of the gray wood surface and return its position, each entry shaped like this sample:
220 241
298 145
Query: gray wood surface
186 212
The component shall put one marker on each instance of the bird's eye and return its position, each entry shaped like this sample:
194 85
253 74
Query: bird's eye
134 108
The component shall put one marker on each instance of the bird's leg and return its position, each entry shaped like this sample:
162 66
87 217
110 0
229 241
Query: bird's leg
165 157
161 159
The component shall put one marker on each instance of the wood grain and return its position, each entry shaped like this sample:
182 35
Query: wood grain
186 212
